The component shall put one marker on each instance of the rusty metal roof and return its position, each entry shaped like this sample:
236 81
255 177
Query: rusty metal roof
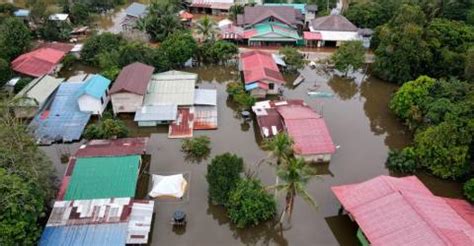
113 147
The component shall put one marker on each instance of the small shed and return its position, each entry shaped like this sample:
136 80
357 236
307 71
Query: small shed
153 115
93 96
205 109
129 88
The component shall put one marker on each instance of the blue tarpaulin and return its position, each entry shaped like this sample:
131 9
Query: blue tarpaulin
95 234
62 121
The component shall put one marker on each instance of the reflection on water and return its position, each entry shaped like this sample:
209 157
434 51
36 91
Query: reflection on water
359 121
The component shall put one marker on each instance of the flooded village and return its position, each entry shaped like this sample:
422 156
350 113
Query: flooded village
141 185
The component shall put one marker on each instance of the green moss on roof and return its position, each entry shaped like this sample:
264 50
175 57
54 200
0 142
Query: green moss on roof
103 177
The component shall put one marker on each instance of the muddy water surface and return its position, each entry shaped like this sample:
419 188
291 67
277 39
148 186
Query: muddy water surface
360 123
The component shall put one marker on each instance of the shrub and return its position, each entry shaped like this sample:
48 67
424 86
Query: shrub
5 72
69 60
402 161
223 173
196 148
469 189
249 204
106 129
238 94
293 58
21 84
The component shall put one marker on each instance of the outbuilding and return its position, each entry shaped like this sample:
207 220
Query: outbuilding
93 96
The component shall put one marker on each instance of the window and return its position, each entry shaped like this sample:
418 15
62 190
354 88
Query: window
271 86
102 100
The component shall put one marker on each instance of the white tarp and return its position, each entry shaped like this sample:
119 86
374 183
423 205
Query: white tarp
168 186
224 23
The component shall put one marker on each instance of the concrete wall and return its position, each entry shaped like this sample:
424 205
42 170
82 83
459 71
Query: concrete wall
315 158
126 102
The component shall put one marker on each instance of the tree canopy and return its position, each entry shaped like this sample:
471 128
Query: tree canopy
350 55
15 38
223 174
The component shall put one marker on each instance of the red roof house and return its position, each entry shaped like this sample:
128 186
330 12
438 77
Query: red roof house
260 73
113 147
309 132
402 211
130 86
38 62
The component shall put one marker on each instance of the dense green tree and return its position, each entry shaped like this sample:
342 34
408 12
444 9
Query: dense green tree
411 99
98 44
349 56
106 129
293 58
207 28
5 72
280 146
469 189
178 48
197 148
249 204
370 14
294 177
223 174
403 161
162 21
235 10
15 38
134 52
219 52
21 207
80 14
238 94
54 31
444 150
402 53
469 66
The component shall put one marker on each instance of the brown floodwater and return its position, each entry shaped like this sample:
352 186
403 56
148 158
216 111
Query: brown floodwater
360 123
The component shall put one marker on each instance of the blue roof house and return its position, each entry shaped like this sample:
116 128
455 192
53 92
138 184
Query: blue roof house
136 10
93 96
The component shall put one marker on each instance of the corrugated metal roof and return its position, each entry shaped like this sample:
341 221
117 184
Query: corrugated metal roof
260 66
205 97
333 23
183 127
38 90
64 47
163 112
116 177
136 10
172 87
113 147
402 211
133 78
79 235
38 62
95 86
307 129
205 117
62 121
284 14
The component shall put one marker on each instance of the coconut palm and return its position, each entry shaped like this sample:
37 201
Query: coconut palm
280 146
206 27
294 178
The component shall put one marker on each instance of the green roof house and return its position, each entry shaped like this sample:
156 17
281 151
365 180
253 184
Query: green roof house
103 177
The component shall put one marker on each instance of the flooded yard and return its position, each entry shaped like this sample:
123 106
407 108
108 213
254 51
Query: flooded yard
360 123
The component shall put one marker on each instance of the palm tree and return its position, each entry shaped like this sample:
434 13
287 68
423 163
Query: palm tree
235 10
207 27
294 176
280 146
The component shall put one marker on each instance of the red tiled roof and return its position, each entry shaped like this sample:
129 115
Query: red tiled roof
133 78
312 36
402 211
114 147
38 62
307 129
259 66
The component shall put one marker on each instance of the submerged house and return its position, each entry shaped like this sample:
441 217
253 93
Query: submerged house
260 72
205 109
133 13
34 96
110 221
44 60
93 96
311 138
403 211
62 119
129 88
332 30
166 92
269 25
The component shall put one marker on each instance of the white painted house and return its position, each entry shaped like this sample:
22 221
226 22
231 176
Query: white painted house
334 29
93 96
129 88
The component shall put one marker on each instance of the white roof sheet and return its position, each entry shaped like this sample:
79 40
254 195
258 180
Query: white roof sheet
164 112
172 87
205 97
59 17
